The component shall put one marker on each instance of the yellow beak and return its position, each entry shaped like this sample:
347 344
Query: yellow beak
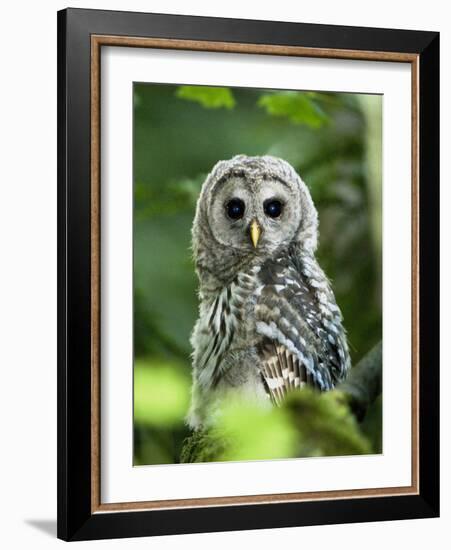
255 232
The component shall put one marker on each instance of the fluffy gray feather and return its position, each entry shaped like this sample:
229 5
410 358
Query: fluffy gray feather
268 320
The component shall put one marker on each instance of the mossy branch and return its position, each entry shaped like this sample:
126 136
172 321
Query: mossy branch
307 424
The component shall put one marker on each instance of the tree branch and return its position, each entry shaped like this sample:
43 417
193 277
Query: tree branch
364 382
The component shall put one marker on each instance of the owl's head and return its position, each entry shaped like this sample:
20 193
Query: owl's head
251 206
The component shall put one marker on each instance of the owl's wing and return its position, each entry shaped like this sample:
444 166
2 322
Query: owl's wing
303 341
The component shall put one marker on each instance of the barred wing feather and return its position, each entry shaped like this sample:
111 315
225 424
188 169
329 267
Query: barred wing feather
303 341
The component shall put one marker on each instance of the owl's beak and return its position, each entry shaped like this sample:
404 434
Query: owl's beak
255 232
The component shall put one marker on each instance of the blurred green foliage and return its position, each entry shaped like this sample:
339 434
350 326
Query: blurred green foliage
334 141
307 424
160 393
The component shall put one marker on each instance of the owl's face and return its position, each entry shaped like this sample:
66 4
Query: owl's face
254 212
250 206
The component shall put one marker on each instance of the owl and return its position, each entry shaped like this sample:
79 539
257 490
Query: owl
268 321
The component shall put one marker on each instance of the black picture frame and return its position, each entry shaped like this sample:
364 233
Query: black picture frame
76 520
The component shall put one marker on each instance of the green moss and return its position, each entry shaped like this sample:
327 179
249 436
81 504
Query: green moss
203 446
325 425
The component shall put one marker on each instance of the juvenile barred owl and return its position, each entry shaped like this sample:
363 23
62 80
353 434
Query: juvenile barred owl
268 321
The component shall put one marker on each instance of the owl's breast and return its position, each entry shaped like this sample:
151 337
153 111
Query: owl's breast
245 292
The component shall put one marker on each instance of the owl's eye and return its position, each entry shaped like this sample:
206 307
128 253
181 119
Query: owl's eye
272 208
235 209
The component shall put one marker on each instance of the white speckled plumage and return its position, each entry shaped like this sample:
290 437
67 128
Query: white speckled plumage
268 321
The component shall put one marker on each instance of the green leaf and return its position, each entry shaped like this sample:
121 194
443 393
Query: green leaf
298 107
208 97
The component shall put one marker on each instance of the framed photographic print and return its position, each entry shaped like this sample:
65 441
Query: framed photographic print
248 274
